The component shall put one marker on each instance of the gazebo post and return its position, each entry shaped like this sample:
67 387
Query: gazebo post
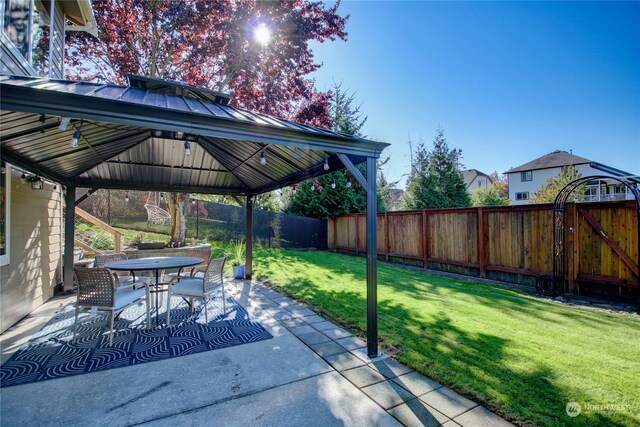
69 233
369 184
249 239
372 259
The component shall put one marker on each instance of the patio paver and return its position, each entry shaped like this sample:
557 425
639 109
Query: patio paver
417 413
390 368
337 333
417 383
343 361
312 319
314 338
352 343
301 330
328 348
448 402
388 394
363 376
481 416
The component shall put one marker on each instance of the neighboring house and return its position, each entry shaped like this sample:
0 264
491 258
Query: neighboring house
475 179
31 210
526 179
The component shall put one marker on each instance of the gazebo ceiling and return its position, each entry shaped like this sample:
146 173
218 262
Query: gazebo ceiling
134 137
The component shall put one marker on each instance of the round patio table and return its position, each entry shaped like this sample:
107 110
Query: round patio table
156 264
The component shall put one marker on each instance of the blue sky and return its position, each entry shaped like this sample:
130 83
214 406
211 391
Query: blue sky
507 81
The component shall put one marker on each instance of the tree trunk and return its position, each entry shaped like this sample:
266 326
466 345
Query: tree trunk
176 203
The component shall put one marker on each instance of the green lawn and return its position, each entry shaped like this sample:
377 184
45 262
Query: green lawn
521 356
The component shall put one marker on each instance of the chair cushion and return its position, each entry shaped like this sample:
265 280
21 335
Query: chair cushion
188 287
124 297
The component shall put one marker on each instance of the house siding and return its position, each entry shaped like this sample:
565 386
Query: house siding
540 177
57 44
473 187
35 250
35 223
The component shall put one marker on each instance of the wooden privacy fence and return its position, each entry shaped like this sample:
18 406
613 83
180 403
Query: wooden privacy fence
508 243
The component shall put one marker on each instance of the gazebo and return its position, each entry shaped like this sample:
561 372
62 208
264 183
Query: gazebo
169 136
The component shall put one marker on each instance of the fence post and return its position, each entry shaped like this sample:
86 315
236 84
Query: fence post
117 242
335 234
425 239
109 208
386 236
357 235
197 219
481 248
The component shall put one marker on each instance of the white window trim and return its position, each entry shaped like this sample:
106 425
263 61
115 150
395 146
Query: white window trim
5 259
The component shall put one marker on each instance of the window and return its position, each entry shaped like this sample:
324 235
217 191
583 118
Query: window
526 176
522 196
479 183
5 197
25 26
620 189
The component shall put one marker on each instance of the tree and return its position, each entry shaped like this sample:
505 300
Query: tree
337 193
548 192
210 44
435 180
490 195
495 194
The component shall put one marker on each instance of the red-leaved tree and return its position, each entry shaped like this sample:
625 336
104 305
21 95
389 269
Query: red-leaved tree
211 44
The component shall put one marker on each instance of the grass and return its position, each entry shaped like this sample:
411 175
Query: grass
524 357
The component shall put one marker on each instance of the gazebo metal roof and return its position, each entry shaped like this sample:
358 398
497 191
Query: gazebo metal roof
133 137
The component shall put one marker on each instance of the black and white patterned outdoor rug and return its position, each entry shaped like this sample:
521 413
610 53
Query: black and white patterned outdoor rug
52 353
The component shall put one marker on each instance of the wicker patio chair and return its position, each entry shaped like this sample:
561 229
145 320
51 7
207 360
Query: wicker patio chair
97 290
196 271
199 288
123 278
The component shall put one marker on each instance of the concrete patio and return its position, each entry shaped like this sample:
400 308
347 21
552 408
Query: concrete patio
312 372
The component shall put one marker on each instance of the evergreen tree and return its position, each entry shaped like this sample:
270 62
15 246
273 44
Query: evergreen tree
435 180
337 193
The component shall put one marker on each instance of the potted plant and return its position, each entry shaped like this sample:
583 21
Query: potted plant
238 252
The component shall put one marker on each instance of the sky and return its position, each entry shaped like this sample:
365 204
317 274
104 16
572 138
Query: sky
508 81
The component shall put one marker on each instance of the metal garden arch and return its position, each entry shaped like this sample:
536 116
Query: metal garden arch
559 218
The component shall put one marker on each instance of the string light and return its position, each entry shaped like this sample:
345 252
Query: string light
126 197
76 136
263 158
333 184
187 148
23 178
64 123
42 120
349 183
326 164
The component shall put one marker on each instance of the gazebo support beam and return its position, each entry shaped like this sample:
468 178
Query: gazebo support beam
372 260
248 269
369 184
69 233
